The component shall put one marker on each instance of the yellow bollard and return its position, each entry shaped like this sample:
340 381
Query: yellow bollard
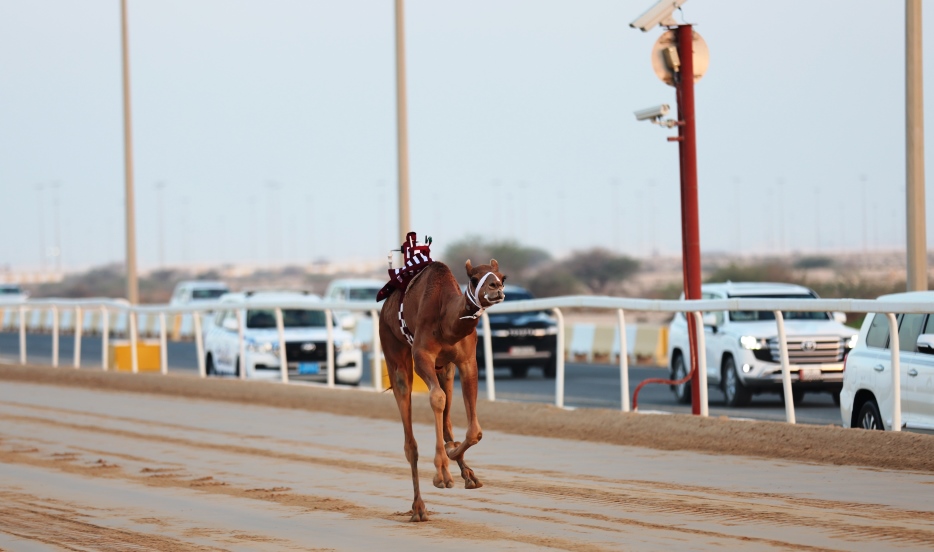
418 384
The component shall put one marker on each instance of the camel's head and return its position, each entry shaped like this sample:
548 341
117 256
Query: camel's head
485 284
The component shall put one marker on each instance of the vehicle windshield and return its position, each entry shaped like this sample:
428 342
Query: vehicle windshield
9 290
207 293
291 318
751 316
362 294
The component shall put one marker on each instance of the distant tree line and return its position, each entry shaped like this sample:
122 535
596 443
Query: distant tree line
595 271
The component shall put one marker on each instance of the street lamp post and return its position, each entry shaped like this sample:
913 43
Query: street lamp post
56 229
161 222
914 149
402 123
42 252
132 285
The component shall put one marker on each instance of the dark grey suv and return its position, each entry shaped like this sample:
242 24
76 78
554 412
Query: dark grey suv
521 340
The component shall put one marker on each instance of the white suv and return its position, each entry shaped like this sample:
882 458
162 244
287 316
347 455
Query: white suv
743 348
866 398
305 341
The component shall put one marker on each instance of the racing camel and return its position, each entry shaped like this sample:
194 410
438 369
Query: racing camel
428 320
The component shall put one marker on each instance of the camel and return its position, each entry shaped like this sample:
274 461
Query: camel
434 324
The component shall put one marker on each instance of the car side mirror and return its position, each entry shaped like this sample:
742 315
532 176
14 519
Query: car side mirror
926 344
710 319
231 324
840 317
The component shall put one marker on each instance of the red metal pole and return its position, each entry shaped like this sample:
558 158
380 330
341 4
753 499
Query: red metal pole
690 225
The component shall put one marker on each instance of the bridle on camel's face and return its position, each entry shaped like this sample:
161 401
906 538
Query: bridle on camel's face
474 295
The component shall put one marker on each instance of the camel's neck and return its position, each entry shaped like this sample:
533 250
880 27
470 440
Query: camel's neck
460 317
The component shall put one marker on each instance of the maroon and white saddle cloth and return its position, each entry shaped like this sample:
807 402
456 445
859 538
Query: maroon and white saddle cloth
414 258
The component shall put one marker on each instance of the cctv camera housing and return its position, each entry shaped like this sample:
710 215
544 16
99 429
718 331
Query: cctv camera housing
659 14
656 112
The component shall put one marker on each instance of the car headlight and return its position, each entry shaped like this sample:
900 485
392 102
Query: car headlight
851 342
551 330
261 346
752 343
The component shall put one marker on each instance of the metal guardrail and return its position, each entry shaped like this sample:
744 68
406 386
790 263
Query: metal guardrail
555 304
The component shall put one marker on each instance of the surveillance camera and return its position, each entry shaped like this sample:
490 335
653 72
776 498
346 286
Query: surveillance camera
656 112
659 14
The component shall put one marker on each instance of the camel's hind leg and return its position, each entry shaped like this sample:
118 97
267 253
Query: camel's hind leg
399 368
455 450
425 367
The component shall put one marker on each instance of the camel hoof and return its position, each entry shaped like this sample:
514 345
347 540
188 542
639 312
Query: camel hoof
470 480
419 516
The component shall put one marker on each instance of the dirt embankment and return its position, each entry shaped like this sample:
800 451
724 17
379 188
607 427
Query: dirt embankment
820 444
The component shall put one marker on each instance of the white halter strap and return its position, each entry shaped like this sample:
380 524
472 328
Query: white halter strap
474 297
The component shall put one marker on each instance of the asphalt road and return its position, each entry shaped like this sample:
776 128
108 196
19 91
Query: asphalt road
586 385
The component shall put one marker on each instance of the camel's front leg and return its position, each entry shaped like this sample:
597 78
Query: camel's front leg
455 451
446 379
425 367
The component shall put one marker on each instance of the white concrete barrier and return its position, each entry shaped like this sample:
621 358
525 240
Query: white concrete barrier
588 342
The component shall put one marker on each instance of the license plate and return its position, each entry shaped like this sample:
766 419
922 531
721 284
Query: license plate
809 374
308 368
522 350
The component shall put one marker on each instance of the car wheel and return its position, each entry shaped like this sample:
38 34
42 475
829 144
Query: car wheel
734 390
237 368
209 365
683 391
869 417
551 369
519 372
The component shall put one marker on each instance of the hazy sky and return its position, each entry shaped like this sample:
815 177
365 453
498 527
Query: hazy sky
271 125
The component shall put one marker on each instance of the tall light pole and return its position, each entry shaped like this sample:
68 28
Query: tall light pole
57 233
402 123
39 188
161 222
862 179
132 284
914 150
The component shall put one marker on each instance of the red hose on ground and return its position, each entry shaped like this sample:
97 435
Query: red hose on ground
635 394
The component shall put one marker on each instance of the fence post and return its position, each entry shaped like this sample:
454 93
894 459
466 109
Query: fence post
559 370
329 320
376 354
896 374
623 361
199 343
786 369
105 338
134 358
283 359
78 331
241 344
163 345
701 364
488 358
22 335
55 336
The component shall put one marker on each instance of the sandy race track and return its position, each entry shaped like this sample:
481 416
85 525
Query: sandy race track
103 461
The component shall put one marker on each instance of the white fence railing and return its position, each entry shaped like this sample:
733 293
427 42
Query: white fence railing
131 313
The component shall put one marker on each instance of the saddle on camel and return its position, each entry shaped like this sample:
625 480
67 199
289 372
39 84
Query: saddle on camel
428 327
